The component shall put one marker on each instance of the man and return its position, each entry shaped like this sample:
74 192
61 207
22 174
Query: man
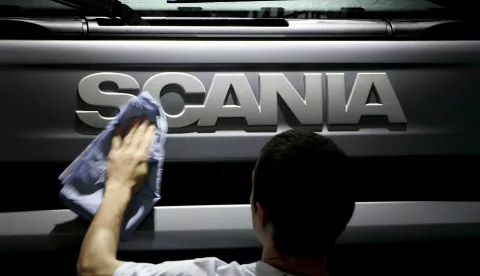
300 204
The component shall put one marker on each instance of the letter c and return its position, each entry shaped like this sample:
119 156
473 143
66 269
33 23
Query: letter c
190 113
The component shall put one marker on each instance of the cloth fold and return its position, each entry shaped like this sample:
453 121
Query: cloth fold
84 179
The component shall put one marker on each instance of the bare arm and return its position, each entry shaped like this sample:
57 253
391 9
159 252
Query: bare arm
99 248
127 168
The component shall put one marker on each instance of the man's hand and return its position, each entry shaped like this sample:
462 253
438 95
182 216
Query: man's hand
127 168
127 160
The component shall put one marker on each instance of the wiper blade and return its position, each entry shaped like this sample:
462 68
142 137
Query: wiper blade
110 8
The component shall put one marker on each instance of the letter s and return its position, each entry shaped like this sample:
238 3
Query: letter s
89 91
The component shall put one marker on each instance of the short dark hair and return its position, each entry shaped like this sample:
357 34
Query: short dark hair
302 182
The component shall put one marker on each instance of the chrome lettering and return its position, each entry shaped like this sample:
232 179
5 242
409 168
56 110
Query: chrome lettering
190 84
342 112
247 104
308 111
89 91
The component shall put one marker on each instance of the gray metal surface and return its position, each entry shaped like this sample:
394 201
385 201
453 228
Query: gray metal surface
436 84
208 227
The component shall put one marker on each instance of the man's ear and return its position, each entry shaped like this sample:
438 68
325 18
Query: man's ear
262 216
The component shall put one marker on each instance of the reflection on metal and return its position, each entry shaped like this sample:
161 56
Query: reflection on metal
307 109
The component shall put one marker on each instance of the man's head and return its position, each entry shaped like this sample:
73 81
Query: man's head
301 200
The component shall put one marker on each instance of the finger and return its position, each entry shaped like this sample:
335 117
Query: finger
116 140
147 139
128 138
138 135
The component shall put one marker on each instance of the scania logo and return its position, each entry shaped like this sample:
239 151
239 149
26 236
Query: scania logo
309 109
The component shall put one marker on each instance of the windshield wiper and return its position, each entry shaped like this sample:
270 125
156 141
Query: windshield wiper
110 8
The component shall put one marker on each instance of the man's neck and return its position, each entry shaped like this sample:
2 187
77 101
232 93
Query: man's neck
295 265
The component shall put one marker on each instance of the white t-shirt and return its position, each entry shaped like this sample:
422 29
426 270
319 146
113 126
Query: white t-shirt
198 267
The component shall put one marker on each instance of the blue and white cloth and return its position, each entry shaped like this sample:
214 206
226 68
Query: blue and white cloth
84 180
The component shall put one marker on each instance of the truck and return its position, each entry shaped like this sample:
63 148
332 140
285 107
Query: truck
394 83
